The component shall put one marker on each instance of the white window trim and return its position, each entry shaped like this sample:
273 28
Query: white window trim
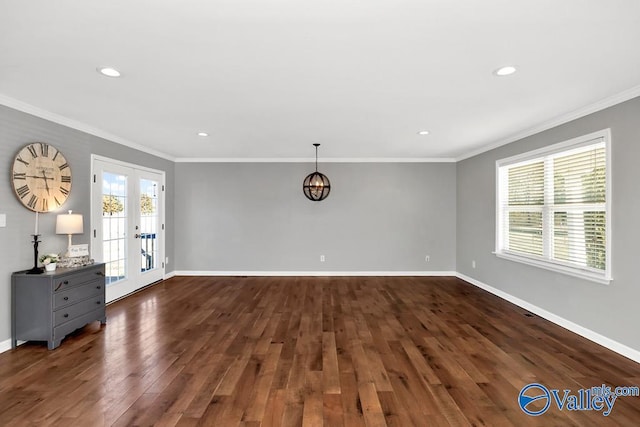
583 273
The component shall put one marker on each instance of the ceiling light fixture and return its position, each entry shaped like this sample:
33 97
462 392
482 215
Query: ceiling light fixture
505 71
203 134
109 72
316 186
423 132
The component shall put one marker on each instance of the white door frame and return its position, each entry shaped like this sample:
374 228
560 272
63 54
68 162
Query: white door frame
96 215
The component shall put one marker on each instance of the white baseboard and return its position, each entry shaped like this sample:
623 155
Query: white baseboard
5 345
315 273
169 275
612 345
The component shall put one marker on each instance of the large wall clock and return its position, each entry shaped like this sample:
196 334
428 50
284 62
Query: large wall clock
41 177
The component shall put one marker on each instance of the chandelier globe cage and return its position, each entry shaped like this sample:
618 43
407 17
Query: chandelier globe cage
316 186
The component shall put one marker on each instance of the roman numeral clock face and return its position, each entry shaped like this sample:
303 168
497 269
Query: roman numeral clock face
41 177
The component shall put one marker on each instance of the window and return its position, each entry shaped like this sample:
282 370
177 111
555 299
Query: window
553 207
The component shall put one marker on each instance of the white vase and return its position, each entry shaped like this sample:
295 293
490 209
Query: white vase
50 267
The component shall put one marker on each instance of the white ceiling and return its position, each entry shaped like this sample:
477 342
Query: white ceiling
266 79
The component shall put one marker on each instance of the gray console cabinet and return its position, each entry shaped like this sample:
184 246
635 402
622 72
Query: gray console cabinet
49 306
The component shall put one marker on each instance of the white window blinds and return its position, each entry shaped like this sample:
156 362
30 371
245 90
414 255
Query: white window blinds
552 207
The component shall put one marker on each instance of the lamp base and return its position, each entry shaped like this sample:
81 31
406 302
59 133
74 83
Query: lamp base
69 247
35 269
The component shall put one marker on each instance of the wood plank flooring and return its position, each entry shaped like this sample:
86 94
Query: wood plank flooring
299 351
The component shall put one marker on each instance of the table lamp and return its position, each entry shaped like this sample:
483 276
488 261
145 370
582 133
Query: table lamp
69 224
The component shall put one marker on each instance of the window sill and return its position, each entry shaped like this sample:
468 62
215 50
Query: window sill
575 272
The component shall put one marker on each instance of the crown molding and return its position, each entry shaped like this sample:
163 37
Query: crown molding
565 118
560 120
312 160
74 124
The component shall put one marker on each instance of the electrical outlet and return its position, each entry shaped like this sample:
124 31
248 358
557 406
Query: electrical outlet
427 258
473 264
166 260
3 220
321 258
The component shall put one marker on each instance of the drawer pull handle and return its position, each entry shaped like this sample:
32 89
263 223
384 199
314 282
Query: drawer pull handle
98 302
66 298
98 287
99 273
66 282
66 315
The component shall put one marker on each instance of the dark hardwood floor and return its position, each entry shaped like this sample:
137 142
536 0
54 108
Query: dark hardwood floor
293 351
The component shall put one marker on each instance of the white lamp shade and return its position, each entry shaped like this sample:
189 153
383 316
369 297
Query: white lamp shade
69 224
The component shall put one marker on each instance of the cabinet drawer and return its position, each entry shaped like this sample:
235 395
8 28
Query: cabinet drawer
72 280
78 293
70 312
60 331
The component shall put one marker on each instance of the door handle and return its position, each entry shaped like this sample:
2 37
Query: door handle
137 236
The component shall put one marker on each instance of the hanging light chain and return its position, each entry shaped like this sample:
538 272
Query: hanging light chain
316 145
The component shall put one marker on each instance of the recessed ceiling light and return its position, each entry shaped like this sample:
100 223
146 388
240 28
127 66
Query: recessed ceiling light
423 132
505 71
109 72
203 134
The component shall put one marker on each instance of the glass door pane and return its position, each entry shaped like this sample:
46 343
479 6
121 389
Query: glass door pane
149 220
114 226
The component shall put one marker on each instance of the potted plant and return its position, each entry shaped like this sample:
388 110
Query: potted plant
49 261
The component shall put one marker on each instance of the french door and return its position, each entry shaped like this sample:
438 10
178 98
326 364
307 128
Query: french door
127 216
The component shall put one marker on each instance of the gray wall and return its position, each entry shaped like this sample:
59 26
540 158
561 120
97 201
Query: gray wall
16 250
254 217
611 310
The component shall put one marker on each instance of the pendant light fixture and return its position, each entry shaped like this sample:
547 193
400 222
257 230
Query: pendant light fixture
316 186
